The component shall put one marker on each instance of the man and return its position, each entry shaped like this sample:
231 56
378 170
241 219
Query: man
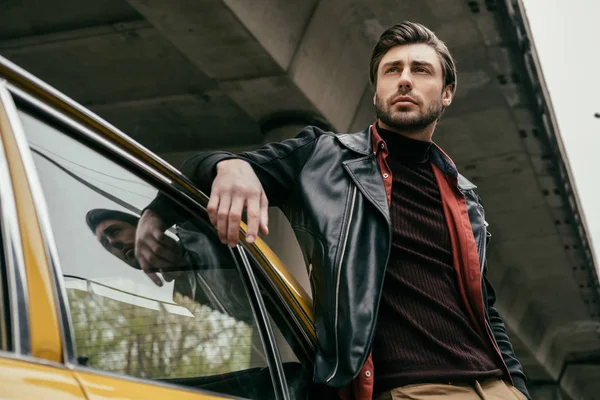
115 230
199 267
395 235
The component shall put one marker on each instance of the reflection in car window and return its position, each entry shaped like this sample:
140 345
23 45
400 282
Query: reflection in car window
196 329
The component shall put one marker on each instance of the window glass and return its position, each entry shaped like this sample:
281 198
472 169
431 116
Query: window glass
197 329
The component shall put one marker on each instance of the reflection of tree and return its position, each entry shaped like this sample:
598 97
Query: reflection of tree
138 341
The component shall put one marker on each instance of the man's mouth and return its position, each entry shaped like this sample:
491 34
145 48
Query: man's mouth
403 100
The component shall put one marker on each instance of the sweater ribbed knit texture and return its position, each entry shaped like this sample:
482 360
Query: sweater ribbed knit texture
423 334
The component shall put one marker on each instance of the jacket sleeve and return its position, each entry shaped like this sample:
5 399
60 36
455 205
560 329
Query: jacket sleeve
277 165
501 336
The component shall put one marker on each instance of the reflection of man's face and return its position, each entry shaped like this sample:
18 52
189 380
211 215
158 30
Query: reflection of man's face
118 237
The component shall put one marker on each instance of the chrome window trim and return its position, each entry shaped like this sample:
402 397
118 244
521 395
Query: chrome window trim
13 248
41 209
282 300
265 330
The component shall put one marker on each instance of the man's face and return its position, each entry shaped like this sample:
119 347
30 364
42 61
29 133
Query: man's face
118 237
410 93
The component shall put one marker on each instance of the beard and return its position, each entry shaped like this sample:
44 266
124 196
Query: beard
408 121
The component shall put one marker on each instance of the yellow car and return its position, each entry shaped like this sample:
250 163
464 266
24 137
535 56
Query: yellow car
80 320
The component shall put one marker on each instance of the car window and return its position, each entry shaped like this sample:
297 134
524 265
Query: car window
197 329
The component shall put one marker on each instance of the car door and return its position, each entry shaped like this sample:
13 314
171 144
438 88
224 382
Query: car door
202 333
30 347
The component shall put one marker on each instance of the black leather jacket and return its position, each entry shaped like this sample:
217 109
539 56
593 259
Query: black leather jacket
330 188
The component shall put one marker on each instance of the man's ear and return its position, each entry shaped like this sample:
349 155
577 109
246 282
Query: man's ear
374 99
447 95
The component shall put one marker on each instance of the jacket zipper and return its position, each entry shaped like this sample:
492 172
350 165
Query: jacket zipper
482 248
337 285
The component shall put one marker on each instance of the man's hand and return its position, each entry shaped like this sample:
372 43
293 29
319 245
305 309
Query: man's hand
236 187
155 250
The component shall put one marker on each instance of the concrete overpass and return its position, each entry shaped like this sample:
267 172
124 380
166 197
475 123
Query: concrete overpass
185 75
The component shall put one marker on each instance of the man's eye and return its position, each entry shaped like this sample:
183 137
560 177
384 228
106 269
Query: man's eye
422 70
392 69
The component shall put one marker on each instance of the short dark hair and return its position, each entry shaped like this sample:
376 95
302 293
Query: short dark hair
412 33
96 216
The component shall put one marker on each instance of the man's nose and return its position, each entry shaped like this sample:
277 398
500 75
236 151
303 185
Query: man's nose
405 83
114 242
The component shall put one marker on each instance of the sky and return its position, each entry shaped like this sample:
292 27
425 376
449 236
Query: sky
567 38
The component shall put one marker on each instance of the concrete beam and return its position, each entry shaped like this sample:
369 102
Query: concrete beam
107 63
278 25
211 36
57 40
207 120
33 17
261 97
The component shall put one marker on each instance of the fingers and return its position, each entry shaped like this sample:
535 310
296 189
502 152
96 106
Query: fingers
236 186
155 278
146 268
264 215
212 208
253 210
225 214
166 247
223 218
158 251
235 217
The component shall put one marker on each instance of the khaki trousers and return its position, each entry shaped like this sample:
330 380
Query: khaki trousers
492 389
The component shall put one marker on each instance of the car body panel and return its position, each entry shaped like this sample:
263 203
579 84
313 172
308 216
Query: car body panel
28 379
100 386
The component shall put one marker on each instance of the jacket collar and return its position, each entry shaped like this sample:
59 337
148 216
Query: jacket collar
359 142
362 143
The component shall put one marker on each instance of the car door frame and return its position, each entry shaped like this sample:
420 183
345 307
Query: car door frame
18 307
32 361
121 153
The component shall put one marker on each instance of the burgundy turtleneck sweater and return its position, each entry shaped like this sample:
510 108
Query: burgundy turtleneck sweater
423 333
